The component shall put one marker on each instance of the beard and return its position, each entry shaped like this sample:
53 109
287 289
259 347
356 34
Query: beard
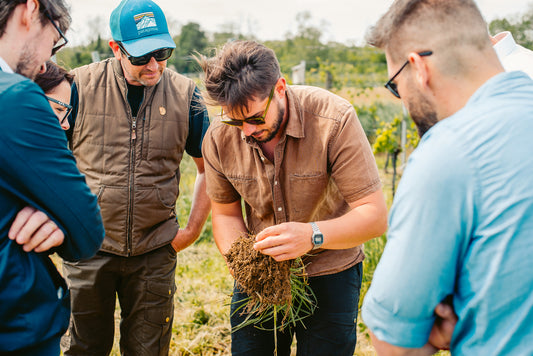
273 131
422 113
27 65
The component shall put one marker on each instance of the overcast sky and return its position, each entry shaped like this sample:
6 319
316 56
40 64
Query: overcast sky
344 21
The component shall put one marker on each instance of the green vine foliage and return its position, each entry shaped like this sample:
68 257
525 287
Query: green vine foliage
388 136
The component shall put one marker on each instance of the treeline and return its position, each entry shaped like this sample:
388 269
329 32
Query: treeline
331 65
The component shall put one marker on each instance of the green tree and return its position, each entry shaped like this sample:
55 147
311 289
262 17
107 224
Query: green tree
521 27
191 39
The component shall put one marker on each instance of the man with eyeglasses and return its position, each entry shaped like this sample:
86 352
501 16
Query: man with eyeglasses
298 158
461 224
38 177
132 120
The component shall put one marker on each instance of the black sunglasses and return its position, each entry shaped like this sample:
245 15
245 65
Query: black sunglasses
65 105
62 41
393 88
159 55
258 120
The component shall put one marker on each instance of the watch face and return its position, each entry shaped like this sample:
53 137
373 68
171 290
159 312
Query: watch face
318 239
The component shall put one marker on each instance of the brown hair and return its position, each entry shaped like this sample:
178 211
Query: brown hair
57 9
52 77
238 71
446 27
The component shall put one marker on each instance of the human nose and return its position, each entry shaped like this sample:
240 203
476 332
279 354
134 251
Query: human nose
42 70
248 129
152 65
65 125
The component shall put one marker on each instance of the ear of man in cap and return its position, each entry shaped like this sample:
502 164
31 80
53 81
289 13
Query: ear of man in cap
141 27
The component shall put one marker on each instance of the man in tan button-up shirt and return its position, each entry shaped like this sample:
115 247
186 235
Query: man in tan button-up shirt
298 158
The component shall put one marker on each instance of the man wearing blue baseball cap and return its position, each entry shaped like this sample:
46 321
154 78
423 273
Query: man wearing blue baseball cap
132 121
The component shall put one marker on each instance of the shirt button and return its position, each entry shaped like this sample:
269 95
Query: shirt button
263 159
275 182
280 209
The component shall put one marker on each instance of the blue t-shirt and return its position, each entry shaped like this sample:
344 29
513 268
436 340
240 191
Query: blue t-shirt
462 225
37 169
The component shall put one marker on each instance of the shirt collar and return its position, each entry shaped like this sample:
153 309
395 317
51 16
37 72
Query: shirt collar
505 46
295 127
4 66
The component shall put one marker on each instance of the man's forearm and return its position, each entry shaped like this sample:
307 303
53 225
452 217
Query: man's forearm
200 208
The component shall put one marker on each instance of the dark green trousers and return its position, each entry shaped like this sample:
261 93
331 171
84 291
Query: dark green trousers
145 287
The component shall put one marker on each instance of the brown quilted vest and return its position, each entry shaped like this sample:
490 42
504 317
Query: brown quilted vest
136 180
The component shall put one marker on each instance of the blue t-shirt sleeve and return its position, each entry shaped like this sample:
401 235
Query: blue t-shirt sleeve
40 170
430 222
198 124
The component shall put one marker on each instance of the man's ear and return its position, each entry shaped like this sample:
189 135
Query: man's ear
281 87
115 48
422 70
30 12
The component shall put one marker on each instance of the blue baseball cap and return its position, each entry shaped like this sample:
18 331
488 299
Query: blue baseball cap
140 26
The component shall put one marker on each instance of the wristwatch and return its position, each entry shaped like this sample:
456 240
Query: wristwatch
317 238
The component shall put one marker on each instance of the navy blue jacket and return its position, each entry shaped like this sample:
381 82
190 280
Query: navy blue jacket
37 169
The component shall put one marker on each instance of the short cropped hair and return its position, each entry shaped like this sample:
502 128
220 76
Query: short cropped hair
239 71
57 9
437 25
52 77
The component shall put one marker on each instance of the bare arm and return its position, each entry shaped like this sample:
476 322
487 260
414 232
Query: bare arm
199 211
366 219
35 231
439 339
228 224
384 348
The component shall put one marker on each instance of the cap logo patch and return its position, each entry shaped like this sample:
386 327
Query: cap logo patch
145 21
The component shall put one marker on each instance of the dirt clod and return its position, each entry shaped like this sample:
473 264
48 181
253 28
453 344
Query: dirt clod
264 279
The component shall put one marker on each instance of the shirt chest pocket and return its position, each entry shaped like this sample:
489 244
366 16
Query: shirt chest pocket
305 193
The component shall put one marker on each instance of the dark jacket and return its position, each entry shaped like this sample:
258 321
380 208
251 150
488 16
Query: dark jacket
37 169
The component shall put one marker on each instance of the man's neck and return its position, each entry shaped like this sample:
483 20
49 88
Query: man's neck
5 67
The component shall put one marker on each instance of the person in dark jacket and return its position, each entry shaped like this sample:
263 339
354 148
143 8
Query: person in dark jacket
37 172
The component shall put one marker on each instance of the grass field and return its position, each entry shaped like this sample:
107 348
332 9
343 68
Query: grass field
201 318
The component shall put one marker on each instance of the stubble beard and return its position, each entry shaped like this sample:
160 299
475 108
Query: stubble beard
275 128
422 113
26 65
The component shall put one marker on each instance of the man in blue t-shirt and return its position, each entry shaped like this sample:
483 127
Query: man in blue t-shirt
462 219
37 173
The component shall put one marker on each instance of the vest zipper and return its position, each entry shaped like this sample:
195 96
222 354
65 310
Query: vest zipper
131 187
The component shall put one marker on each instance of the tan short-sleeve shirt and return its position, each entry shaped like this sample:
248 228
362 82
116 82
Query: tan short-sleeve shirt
322 162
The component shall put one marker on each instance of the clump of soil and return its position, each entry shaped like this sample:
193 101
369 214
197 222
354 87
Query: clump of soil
265 280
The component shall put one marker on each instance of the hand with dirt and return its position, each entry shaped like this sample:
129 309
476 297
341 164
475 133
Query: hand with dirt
34 230
285 241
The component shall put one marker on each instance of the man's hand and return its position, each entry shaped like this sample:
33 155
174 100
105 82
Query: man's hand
34 230
285 241
442 331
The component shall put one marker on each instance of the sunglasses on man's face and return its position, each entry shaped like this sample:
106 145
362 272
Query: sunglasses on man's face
160 55
393 88
257 120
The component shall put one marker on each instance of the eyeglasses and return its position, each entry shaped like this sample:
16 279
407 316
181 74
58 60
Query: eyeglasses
159 55
258 120
393 88
62 41
68 108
